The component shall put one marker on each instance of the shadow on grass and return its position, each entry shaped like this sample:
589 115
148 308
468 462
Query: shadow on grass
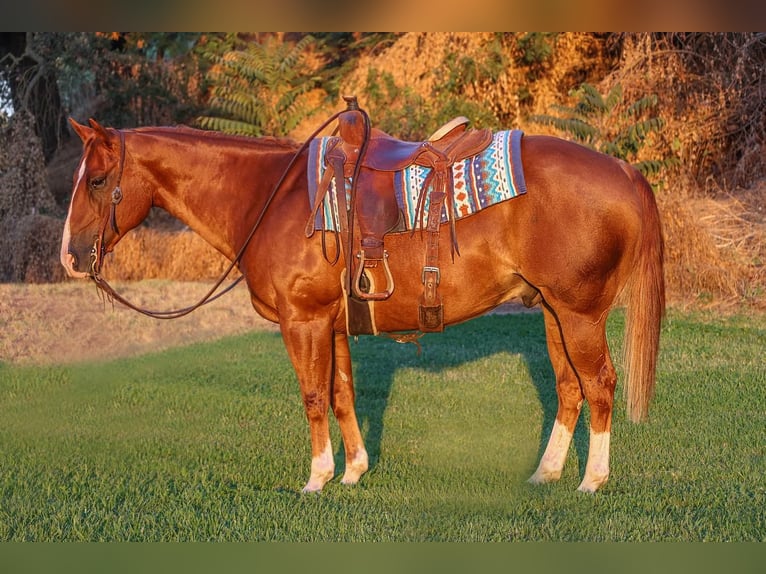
520 334
376 361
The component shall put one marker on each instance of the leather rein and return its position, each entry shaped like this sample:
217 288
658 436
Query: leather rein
99 250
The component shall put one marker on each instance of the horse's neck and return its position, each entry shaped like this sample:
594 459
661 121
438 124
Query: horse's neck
216 186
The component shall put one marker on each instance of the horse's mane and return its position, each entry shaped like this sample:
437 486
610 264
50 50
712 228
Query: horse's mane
186 131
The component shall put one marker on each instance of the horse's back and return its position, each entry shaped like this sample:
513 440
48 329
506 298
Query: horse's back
577 174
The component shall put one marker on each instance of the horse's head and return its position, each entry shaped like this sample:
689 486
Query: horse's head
103 207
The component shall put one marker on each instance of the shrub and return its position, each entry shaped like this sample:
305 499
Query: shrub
261 89
608 124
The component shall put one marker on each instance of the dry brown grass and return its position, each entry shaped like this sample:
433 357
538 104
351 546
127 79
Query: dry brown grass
715 251
67 322
148 253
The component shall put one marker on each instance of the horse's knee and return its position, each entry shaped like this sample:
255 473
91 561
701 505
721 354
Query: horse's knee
342 411
607 377
316 405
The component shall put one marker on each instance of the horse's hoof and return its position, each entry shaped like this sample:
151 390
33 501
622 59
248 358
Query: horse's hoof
317 481
309 489
592 484
356 468
544 476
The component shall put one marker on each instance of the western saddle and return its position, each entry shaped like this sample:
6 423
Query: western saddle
369 158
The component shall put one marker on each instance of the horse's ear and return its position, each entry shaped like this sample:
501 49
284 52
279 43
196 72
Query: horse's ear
83 131
99 129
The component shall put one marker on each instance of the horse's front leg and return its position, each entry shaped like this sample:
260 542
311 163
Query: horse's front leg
343 406
309 344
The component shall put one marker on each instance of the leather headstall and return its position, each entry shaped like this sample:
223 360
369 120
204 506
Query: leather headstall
99 251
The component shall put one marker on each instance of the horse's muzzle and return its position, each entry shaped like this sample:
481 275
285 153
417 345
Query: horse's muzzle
69 262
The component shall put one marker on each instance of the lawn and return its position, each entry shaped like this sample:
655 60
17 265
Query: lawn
209 443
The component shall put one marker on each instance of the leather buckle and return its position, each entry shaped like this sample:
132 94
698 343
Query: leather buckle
428 268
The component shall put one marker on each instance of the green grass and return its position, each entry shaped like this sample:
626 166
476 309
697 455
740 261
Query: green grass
210 442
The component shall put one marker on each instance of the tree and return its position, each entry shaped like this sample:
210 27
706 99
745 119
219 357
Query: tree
31 80
30 228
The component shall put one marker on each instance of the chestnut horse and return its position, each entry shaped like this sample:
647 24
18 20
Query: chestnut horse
587 229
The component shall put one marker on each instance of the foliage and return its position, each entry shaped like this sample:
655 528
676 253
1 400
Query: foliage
536 50
607 124
23 188
712 85
461 71
396 110
534 54
341 52
410 115
261 89
464 76
130 79
29 76
6 107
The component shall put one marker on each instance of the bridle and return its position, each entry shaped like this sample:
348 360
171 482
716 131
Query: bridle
99 250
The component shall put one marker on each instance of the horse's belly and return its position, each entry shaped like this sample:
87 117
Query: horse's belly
460 302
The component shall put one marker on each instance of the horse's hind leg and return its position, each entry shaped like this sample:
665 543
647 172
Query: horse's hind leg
344 410
584 338
570 400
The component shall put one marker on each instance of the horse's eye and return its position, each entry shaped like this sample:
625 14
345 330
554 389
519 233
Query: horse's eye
97 182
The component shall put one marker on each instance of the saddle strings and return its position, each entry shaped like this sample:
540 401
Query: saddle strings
211 295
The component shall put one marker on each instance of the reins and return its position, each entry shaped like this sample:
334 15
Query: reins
99 250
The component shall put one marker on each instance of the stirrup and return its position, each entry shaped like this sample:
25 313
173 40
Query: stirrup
355 286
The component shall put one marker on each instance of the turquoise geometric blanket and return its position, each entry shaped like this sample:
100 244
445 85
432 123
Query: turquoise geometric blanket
493 176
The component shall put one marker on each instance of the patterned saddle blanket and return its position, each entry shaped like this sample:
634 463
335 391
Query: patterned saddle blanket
493 176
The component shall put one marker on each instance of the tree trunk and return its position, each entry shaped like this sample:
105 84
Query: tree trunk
32 82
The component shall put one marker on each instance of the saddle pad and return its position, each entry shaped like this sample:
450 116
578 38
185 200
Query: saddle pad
493 176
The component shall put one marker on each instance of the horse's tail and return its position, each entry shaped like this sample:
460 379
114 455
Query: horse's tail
646 306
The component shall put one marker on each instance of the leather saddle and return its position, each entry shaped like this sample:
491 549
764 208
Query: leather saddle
370 157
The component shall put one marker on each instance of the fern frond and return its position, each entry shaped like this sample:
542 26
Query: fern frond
652 167
260 86
251 66
611 148
590 100
293 56
566 111
615 97
580 129
228 126
290 96
641 129
645 104
604 123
